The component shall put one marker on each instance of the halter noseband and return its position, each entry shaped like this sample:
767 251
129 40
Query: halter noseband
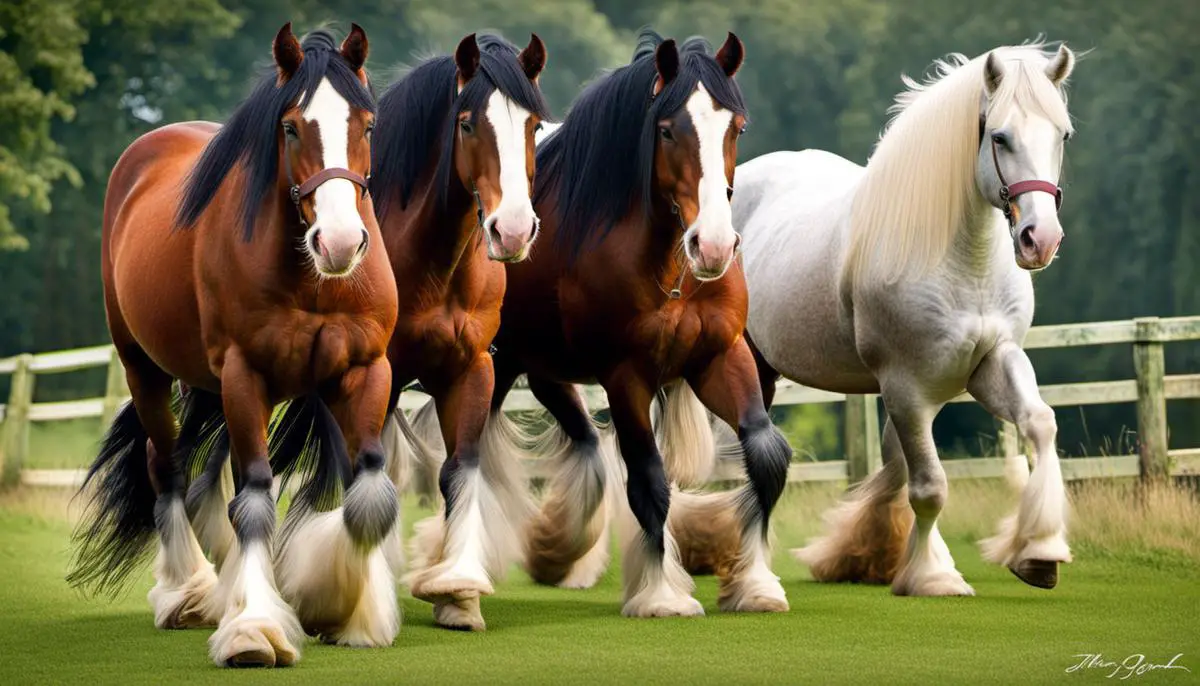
299 191
1010 192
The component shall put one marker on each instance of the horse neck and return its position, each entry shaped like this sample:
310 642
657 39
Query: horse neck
974 248
651 243
435 231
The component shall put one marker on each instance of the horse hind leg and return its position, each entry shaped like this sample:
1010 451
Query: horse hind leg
568 542
184 579
865 534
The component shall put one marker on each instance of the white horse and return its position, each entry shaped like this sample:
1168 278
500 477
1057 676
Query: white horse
911 278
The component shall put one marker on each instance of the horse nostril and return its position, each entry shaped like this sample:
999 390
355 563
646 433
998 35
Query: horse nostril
314 241
1027 238
694 244
737 243
366 238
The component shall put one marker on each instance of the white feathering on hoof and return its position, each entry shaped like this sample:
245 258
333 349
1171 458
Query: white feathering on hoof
865 534
567 540
1037 531
461 556
721 534
185 579
257 627
929 570
588 569
684 435
654 586
341 590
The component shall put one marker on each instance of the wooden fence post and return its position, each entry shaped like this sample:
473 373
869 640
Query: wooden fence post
115 390
863 454
14 432
1152 400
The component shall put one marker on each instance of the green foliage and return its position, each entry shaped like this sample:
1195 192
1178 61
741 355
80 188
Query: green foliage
80 79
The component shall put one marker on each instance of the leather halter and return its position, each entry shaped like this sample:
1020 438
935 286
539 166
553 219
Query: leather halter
299 191
1010 192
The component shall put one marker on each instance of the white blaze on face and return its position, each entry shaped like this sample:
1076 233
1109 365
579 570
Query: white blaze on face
714 221
337 221
513 220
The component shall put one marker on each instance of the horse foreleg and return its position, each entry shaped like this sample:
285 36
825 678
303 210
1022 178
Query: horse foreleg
333 566
655 582
928 568
739 554
485 504
567 542
1033 541
257 628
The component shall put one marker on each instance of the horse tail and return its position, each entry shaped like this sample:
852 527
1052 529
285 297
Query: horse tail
306 441
415 449
114 535
684 435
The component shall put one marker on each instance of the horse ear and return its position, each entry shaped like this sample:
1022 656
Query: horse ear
731 54
287 52
354 48
466 57
533 57
993 72
666 59
1061 65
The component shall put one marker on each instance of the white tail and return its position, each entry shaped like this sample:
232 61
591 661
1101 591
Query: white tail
684 435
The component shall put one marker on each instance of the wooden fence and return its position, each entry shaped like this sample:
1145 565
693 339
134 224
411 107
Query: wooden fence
1150 390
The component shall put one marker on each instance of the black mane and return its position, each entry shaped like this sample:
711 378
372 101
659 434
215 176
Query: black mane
417 115
251 135
601 161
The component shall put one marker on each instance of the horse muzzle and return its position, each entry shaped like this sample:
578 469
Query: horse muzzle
1037 244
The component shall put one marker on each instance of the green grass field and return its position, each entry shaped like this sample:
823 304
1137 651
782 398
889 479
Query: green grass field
1117 602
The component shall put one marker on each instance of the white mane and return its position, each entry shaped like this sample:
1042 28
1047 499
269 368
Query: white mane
919 185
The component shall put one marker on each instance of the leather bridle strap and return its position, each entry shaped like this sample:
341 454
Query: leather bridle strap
299 191
1010 192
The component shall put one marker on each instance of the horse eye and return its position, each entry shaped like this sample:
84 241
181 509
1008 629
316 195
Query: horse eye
1066 136
537 127
729 192
289 130
666 133
466 127
1000 140
369 130
741 131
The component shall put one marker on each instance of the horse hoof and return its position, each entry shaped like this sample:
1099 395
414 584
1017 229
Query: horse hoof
252 643
758 603
459 615
1037 573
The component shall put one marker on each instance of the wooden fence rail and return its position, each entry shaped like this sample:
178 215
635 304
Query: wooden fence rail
1150 390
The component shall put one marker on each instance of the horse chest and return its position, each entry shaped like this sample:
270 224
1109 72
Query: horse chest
297 352
440 342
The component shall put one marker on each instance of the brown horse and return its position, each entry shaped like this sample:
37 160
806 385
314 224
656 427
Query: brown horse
264 280
448 225
641 288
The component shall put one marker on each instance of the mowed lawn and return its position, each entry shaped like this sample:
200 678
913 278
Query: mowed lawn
1109 602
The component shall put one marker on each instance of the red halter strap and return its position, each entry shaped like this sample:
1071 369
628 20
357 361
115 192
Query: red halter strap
299 191
1010 192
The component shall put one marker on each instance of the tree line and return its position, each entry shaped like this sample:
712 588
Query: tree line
80 79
